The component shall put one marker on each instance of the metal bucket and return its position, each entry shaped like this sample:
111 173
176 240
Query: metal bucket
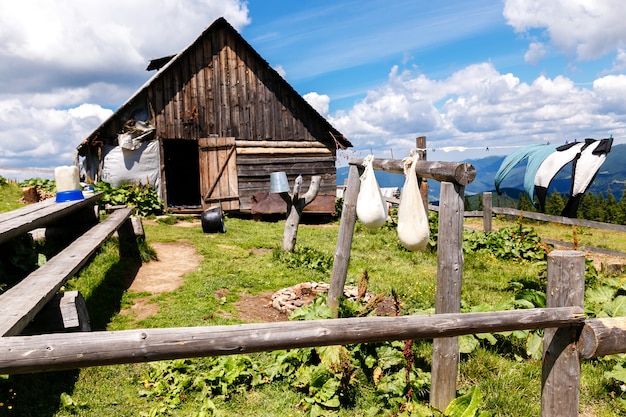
278 182
213 220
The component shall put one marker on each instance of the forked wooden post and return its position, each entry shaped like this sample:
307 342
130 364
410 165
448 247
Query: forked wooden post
560 376
449 277
487 212
344 239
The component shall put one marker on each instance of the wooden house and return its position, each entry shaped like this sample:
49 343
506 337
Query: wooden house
210 126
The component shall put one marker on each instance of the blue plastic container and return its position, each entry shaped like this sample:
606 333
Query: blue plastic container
71 195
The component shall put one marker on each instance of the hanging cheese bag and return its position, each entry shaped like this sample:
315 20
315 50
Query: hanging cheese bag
371 209
413 228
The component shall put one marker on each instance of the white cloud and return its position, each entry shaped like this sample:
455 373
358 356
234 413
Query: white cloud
611 92
536 51
619 63
478 107
65 41
44 136
60 57
319 102
585 29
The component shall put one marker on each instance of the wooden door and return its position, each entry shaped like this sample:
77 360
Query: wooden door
218 173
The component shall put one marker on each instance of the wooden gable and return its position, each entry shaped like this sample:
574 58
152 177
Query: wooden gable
217 88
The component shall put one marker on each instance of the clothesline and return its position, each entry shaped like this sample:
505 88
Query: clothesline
405 151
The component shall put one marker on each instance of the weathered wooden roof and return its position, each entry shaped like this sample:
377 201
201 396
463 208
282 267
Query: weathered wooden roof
216 27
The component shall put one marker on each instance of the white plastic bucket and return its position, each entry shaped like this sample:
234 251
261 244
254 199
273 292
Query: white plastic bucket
67 178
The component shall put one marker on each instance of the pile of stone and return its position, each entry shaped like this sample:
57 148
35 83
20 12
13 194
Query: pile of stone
288 299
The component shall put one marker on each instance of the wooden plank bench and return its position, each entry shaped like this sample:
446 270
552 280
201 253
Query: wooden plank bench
20 304
17 222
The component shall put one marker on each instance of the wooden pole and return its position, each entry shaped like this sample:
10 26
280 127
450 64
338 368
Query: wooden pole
344 239
601 337
456 172
421 150
448 299
560 376
487 213
48 352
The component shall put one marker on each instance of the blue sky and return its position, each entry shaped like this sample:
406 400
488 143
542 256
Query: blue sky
468 75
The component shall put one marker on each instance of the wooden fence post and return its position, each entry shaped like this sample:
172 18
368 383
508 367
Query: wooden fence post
487 213
421 151
344 239
295 205
448 300
560 376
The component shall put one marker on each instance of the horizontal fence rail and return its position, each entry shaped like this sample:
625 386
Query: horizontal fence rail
559 219
460 173
24 354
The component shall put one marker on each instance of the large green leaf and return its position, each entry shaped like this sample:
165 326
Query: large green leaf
534 345
618 372
615 308
467 343
465 405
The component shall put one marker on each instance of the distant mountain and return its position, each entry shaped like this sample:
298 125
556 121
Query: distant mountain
610 177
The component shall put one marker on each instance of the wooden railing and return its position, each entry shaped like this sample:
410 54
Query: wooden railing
568 335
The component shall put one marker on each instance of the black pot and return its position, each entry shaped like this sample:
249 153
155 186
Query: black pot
213 221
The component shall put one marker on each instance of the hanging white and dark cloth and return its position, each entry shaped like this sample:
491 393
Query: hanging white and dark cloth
545 162
511 162
551 166
535 160
584 170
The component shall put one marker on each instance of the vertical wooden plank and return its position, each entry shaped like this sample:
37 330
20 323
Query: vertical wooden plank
271 103
266 107
253 98
177 101
421 150
344 239
221 70
560 376
199 74
245 97
209 76
487 213
448 299
159 107
232 176
187 88
233 91
220 152
168 106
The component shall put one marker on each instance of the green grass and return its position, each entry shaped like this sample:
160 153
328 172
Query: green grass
244 260
10 195
606 239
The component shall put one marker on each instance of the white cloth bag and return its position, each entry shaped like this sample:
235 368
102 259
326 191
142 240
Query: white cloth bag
413 228
371 209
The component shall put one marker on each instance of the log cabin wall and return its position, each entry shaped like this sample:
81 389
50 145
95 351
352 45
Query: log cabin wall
220 87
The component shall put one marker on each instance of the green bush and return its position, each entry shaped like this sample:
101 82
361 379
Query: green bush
41 183
143 197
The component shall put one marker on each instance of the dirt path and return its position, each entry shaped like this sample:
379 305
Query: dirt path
165 275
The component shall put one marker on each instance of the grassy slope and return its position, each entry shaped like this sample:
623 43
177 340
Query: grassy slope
509 381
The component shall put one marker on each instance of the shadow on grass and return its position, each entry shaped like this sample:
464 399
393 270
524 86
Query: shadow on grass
38 395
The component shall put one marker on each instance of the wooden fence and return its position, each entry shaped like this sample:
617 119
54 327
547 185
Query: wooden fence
568 335
488 211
